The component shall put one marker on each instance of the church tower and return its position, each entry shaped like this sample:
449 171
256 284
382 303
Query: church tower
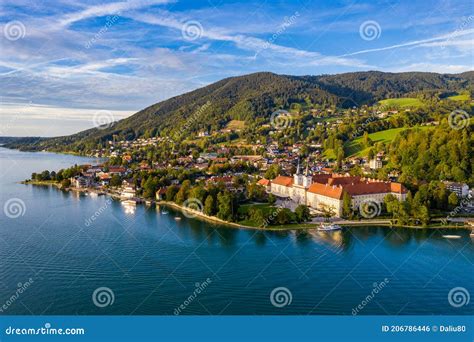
307 179
298 177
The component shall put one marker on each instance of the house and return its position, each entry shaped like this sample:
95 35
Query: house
267 184
208 156
375 163
325 197
80 182
105 178
116 170
128 190
460 189
282 186
226 180
94 169
161 194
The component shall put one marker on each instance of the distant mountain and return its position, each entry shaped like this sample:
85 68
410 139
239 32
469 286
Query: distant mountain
253 98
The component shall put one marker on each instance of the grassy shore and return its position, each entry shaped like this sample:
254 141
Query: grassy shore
304 226
43 183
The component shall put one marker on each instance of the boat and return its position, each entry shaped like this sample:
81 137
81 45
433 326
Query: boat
329 227
177 218
452 236
164 212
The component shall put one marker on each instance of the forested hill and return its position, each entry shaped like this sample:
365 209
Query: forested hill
252 98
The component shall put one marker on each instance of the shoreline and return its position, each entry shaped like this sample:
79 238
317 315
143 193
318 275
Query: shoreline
213 219
300 226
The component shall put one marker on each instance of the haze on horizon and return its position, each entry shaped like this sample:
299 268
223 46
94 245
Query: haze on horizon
61 63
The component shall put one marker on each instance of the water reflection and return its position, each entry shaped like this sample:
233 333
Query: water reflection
130 207
214 234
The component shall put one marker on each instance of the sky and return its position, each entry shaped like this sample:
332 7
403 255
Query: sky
69 65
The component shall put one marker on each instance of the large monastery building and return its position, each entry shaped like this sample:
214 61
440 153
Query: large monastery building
326 191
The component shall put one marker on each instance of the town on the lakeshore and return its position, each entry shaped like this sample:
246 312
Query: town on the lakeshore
247 183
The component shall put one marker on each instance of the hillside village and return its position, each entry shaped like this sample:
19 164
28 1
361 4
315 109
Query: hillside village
312 176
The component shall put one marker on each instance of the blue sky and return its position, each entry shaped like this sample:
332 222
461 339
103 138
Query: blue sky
63 61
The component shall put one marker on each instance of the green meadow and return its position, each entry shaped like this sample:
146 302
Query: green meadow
355 147
402 102
460 97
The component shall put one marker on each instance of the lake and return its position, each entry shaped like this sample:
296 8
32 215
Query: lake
64 253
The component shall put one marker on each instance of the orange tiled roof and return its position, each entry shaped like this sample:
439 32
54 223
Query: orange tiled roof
283 180
326 190
321 178
367 188
337 180
264 182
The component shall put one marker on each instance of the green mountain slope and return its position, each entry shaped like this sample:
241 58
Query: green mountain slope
252 98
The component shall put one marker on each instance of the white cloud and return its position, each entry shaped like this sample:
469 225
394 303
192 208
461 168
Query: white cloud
433 67
40 120
446 37
176 22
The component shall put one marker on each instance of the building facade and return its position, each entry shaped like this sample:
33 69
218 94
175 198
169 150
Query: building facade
325 192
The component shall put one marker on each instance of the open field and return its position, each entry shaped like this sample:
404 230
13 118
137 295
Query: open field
355 148
403 102
461 97
236 125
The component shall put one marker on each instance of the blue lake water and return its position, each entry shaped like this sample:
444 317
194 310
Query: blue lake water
154 264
